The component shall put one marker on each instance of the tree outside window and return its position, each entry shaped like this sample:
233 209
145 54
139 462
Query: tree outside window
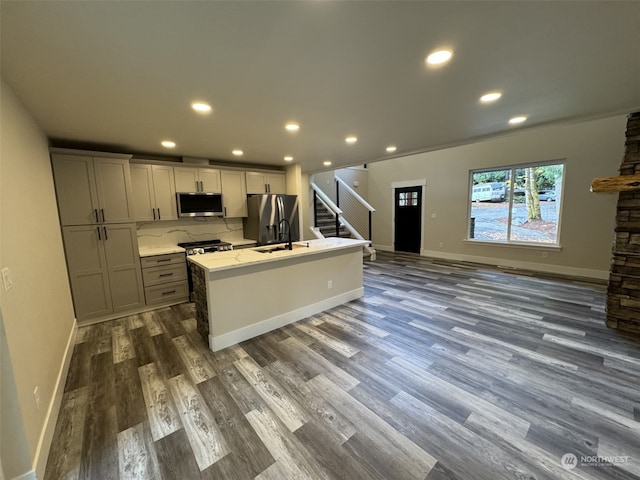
518 204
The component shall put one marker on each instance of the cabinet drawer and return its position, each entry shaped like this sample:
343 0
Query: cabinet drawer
164 274
167 292
157 260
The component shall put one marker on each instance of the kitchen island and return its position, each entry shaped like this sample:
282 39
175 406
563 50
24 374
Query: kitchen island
241 294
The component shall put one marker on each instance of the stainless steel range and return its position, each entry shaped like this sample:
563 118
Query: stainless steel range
199 248
205 246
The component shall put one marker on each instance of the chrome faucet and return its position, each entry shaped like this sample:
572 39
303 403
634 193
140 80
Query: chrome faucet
289 244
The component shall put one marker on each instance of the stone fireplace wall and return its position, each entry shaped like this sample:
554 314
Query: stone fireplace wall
623 294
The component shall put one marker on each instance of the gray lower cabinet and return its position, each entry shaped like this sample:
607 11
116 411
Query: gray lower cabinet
104 269
165 279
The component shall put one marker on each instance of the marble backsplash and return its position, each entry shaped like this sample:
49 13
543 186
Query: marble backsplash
158 234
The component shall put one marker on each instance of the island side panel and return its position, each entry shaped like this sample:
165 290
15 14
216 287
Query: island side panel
199 278
246 300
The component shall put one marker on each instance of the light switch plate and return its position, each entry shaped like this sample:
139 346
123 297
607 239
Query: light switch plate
6 279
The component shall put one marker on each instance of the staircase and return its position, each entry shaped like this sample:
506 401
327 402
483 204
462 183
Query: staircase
327 223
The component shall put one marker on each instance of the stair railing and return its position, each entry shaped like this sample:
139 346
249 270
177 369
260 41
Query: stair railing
333 209
360 211
338 214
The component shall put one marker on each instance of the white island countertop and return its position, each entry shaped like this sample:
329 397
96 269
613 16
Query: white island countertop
213 262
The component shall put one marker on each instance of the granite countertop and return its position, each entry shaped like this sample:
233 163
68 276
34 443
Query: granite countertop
218 261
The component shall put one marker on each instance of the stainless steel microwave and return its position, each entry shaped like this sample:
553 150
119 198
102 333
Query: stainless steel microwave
199 204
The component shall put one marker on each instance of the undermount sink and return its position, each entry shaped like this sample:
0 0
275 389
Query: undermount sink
279 248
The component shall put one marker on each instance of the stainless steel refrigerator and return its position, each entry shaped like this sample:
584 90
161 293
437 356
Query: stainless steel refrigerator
270 217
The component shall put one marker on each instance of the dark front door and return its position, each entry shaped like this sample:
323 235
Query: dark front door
408 214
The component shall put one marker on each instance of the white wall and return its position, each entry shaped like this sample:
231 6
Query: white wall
37 312
591 149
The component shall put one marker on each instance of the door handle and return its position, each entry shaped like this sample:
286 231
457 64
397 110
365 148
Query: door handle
201 186
169 292
225 211
105 233
102 211
98 230
165 274
154 213
95 210
159 218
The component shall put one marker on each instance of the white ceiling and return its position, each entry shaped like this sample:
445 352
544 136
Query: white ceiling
122 75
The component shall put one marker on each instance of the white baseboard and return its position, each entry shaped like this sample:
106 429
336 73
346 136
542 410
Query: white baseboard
46 437
501 262
517 264
245 333
30 475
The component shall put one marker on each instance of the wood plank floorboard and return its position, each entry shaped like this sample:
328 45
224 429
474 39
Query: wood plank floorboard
442 371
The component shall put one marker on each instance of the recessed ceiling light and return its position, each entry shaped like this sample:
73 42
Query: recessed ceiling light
237 152
292 127
490 97
327 163
201 107
517 120
439 57
168 144
391 148
351 139
288 158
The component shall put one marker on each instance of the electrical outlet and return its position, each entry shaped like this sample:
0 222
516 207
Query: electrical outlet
36 397
330 284
6 279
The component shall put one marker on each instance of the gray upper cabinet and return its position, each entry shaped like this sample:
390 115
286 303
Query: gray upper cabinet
154 193
92 190
261 182
189 179
234 193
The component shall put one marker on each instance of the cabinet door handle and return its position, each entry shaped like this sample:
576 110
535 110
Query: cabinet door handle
95 210
98 230
201 186
105 233
154 213
168 292
225 211
165 274
102 212
164 260
159 217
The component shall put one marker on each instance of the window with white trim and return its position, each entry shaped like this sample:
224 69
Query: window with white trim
516 204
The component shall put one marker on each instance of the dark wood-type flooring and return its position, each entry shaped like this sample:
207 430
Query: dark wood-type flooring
441 371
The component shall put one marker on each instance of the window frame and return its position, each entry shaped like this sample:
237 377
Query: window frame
515 243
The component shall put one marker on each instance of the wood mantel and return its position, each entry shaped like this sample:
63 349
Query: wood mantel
620 183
